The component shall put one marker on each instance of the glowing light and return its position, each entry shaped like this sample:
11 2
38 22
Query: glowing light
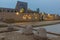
48 14
42 13
35 17
17 13
21 10
34 14
24 17
29 17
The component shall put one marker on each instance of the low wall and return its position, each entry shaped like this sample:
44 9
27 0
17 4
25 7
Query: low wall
25 16
13 15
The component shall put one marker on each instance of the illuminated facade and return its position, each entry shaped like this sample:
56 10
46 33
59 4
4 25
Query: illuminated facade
21 7
20 13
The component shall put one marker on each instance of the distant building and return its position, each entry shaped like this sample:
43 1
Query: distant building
7 10
22 13
21 5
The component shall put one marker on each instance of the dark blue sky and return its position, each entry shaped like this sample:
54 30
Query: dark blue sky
48 6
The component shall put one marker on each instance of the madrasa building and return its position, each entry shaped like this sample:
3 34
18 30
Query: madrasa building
19 7
20 13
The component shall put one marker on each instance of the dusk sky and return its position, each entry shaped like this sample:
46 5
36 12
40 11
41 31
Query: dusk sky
48 6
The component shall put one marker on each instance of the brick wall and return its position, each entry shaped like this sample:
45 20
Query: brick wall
13 15
34 17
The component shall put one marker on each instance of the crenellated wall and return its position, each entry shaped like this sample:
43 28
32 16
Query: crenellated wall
26 16
20 16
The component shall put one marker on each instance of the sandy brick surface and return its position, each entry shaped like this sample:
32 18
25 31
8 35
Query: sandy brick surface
16 36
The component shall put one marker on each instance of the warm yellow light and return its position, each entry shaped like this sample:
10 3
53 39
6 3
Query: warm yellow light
48 14
42 13
29 17
17 13
21 10
24 17
35 17
34 14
